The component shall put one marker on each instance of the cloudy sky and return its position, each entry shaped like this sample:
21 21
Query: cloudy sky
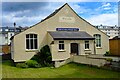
30 13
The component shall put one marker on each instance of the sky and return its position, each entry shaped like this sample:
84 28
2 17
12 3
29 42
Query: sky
30 13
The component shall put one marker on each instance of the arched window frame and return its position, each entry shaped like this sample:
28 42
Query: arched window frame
97 40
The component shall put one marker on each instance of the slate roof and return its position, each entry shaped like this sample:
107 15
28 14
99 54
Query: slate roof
70 35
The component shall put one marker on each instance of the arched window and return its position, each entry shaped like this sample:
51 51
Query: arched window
31 41
97 40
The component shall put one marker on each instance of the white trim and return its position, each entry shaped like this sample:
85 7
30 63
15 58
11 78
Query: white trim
87 44
62 50
33 42
61 43
99 47
87 50
31 50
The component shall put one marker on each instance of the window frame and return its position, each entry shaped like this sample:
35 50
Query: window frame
31 40
60 45
98 40
87 45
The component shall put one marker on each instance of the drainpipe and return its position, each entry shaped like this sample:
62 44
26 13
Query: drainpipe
94 47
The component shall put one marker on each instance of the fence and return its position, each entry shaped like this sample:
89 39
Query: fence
115 47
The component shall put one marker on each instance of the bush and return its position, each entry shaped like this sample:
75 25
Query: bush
32 63
49 64
43 57
21 65
107 53
109 59
36 58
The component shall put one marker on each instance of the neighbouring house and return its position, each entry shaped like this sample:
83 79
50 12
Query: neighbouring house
115 46
65 32
5 34
111 31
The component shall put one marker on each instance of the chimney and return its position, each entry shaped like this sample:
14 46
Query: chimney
14 27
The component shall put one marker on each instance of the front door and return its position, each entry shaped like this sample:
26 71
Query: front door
74 48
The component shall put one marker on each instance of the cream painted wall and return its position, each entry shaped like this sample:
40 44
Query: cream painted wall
62 55
21 54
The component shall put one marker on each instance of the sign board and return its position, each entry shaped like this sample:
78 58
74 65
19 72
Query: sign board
67 29
67 19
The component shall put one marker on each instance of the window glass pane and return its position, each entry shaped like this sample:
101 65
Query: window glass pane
31 43
59 46
27 43
86 44
27 36
62 46
31 35
35 36
35 43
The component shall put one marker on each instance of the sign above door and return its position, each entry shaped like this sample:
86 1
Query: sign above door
67 29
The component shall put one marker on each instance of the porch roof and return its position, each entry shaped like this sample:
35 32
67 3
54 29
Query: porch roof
70 35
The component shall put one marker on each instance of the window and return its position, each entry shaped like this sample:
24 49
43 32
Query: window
31 41
11 34
97 40
86 44
6 29
61 45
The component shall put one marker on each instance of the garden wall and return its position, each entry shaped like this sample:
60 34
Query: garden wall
88 60
83 60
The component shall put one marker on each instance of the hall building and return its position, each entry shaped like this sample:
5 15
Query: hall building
65 32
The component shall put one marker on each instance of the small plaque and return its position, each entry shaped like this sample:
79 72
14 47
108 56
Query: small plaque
66 19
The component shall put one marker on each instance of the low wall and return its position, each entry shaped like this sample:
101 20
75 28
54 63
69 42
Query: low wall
60 63
88 60
83 60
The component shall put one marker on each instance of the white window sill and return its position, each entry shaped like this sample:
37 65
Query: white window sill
87 50
99 47
61 50
31 50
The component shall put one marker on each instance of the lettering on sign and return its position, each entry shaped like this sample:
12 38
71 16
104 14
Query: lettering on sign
67 29
66 19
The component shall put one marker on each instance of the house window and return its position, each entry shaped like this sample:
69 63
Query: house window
31 41
61 45
97 40
11 34
86 44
